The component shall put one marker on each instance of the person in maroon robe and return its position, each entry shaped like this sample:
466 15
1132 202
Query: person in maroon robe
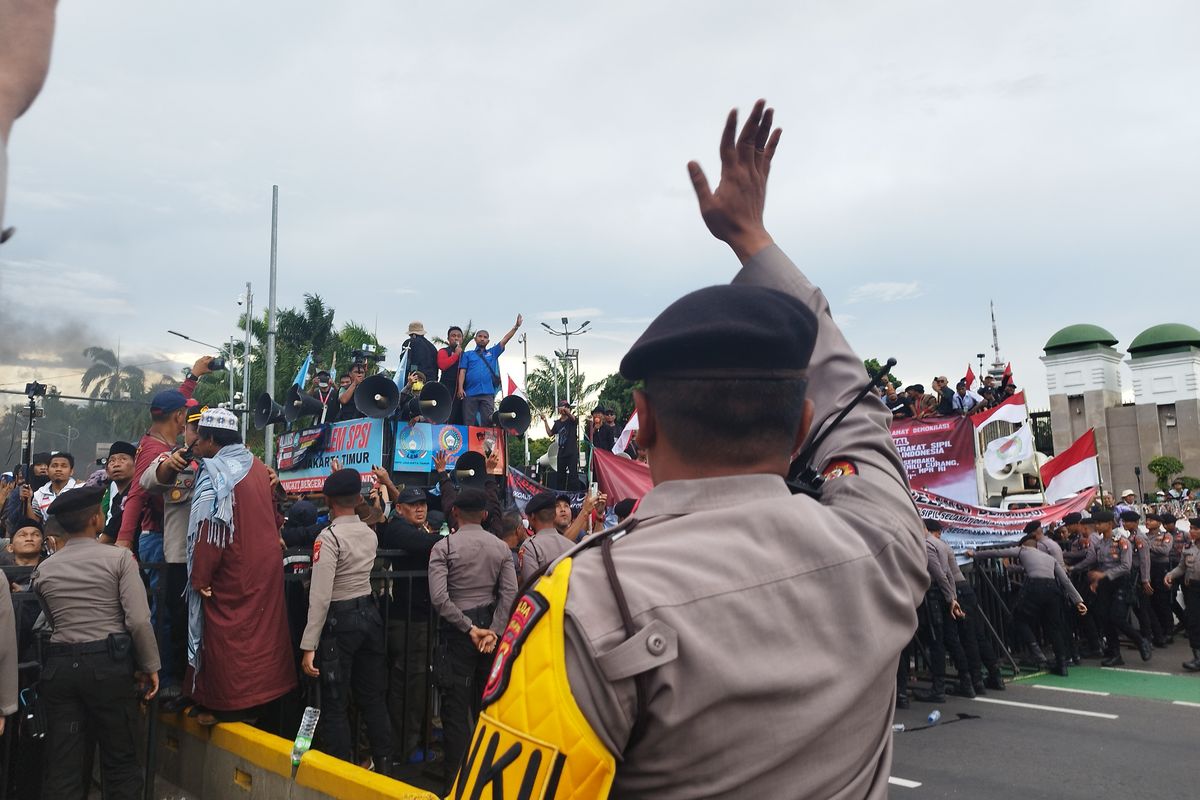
239 649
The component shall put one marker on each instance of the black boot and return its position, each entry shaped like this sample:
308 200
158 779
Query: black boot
1059 668
1038 657
902 700
980 687
1145 649
995 680
964 688
1194 664
936 693
1113 660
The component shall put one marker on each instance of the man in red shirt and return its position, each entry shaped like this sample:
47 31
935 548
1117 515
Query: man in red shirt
142 519
447 361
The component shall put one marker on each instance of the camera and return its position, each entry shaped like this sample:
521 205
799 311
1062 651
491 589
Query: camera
35 389
364 354
218 363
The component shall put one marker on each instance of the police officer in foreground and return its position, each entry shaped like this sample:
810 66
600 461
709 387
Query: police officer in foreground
732 639
102 643
546 543
472 586
343 642
1187 575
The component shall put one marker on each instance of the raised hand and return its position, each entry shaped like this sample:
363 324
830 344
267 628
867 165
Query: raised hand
734 212
439 461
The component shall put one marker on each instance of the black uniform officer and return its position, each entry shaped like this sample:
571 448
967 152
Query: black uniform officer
95 601
344 634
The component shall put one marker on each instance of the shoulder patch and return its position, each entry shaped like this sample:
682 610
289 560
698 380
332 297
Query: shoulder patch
531 607
837 469
317 550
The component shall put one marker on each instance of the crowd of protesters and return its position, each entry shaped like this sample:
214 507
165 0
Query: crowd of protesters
915 402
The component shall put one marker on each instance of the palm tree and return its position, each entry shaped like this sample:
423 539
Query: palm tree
107 377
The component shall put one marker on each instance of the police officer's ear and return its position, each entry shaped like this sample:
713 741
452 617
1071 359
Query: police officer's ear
805 424
647 433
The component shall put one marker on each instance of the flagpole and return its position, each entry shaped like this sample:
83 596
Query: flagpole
1099 472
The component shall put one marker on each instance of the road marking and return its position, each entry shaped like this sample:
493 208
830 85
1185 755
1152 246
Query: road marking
1068 689
1045 708
1135 671
904 783
1185 703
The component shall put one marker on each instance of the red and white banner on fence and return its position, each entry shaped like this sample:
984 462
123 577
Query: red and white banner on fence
939 455
967 526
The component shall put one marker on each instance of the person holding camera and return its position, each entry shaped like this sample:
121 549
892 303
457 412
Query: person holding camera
566 431
323 389
479 377
422 355
357 375
101 645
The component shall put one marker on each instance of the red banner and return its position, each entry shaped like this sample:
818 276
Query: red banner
968 527
939 456
620 477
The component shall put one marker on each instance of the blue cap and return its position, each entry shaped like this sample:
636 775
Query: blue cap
168 400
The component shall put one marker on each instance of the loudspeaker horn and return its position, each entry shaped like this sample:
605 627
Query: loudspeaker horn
512 415
377 396
436 402
267 411
471 469
297 404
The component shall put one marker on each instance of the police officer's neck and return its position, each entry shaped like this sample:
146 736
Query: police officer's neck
666 465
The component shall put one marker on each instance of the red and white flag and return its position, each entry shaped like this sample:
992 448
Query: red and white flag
513 389
1072 470
1011 410
1007 377
969 378
627 433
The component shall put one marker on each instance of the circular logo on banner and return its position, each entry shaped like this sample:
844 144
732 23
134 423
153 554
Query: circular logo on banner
450 439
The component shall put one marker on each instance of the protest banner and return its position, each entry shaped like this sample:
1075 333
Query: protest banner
305 458
939 456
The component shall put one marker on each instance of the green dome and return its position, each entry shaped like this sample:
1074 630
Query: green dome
1168 336
1078 337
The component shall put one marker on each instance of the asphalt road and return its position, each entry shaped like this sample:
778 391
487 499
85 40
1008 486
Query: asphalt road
1096 734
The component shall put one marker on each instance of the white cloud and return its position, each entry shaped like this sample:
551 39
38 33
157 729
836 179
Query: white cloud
885 292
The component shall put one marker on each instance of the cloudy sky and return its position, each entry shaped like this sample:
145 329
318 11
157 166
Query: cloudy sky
468 160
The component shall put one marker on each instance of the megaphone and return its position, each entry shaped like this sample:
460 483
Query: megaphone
377 397
435 402
471 469
512 415
297 404
267 411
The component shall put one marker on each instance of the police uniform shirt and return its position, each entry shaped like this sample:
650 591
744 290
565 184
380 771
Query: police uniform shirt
1114 558
1160 548
1037 564
177 507
8 651
540 550
91 590
1051 548
468 569
341 570
1188 568
1141 550
777 661
939 574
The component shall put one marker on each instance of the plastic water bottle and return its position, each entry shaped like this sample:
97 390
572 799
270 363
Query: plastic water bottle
304 736
934 717
898 727
445 531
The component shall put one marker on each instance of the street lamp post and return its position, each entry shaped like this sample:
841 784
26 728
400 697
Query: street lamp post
567 333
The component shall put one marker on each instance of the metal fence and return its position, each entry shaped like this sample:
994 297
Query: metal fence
403 603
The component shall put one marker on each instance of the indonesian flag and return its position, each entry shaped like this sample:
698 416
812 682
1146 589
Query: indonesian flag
969 378
513 389
1007 377
627 433
1011 410
1072 470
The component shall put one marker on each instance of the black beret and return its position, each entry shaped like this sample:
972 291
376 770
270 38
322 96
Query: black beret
471 499
343 483
730 331
30 522
412 495
932 525
1102 515
1166 518
1032 527
624 508
77 499
1154 517
540 502
1074 518
1130 516
301 514
122 448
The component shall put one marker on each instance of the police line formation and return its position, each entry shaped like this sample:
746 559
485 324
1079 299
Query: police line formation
576 666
